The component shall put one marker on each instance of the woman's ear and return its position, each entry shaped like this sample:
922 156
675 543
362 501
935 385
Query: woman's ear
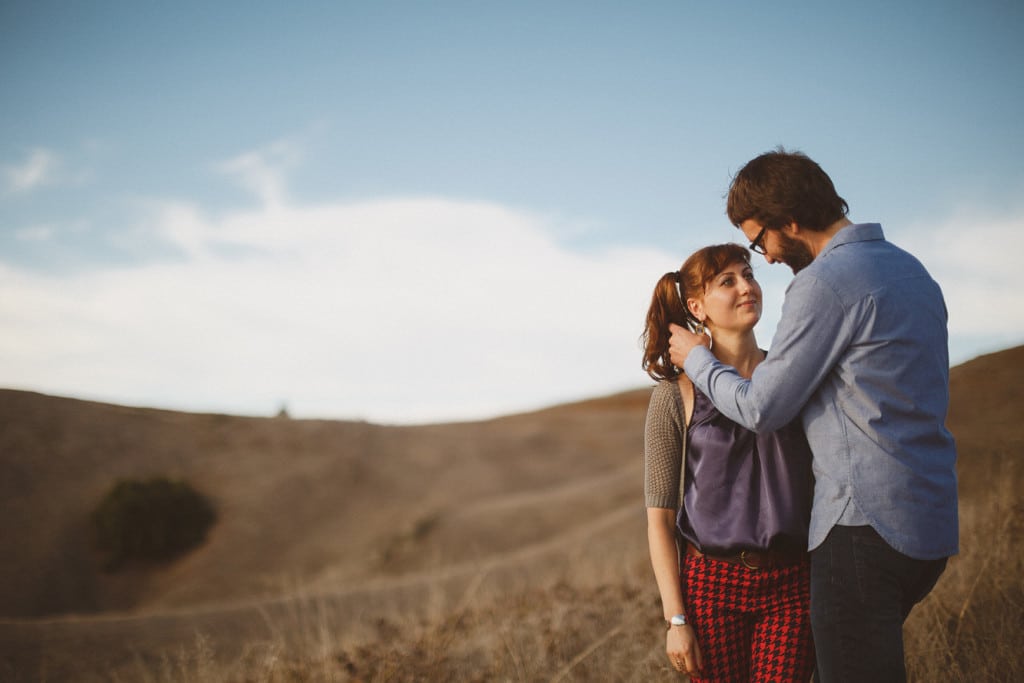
696 307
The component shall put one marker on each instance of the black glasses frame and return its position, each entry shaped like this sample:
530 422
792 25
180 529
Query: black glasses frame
756 245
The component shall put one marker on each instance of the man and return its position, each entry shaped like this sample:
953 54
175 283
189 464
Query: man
861 355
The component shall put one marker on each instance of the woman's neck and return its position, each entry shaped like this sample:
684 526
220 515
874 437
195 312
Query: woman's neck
738 350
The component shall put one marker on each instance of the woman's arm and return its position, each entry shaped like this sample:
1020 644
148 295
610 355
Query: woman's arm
661 541
681 641
663 456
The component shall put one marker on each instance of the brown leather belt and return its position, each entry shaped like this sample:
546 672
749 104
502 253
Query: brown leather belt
753 559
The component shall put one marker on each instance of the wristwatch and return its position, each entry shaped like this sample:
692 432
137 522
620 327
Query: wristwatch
678 620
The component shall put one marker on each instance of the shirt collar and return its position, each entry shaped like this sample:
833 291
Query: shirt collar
858 232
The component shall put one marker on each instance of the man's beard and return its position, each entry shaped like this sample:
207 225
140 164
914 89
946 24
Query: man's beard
794 253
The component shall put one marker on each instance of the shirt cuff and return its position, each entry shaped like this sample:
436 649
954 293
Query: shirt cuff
698 361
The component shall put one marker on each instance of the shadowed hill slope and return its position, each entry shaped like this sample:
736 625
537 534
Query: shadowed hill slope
986 409
297 500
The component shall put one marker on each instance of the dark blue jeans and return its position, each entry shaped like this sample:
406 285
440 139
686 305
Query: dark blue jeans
861 592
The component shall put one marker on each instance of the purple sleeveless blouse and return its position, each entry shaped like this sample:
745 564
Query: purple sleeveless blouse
744 491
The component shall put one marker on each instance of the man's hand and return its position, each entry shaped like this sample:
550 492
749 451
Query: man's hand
682 342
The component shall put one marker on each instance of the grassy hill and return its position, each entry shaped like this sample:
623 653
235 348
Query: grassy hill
509 549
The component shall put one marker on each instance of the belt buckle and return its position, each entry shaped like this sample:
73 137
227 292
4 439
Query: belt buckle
743 560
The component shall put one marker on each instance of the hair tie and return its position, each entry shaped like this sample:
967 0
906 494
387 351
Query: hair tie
675 276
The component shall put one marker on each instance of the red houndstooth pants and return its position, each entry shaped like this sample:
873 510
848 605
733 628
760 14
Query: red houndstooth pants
751 624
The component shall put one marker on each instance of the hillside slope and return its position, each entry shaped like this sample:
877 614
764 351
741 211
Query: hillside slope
342 528
297 500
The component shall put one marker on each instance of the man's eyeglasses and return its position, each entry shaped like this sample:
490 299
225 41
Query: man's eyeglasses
756 245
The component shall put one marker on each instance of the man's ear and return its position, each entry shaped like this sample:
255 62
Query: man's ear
792 229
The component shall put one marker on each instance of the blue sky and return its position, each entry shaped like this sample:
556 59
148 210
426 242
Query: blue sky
409 211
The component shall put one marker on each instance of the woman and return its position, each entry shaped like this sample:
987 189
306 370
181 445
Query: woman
735 589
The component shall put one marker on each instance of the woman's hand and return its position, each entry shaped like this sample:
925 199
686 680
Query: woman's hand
682 649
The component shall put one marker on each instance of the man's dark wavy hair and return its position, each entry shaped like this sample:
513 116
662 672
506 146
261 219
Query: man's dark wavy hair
779 188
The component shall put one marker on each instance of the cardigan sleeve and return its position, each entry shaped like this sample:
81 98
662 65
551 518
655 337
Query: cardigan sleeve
663 443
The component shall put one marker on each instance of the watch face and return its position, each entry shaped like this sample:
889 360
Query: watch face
678 620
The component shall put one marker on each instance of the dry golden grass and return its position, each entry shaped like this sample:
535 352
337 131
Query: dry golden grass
507 550
972 626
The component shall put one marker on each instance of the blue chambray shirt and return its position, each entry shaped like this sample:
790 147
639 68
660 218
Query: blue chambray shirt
861 354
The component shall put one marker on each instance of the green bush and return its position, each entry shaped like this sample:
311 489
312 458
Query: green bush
153 520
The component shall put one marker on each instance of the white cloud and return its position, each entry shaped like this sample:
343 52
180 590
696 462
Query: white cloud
405 309
401 309
262 171
37 170
975 257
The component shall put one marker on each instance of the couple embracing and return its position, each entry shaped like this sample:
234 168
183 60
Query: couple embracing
801 501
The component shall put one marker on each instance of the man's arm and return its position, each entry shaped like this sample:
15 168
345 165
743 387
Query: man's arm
814 332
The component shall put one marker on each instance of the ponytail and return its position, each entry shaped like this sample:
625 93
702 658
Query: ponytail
667 306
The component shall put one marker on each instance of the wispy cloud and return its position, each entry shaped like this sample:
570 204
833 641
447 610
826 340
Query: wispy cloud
39 168
35 233
263 171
